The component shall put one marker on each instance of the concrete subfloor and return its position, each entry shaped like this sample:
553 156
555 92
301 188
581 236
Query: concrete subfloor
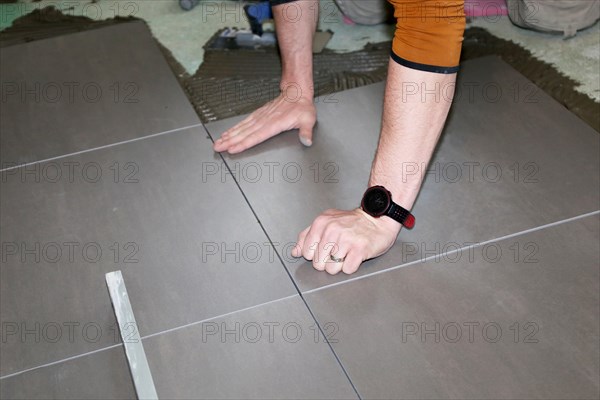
185 33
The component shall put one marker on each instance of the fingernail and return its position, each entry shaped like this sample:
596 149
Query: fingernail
305 141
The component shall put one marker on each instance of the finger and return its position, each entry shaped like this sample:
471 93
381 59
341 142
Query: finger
252 139
218 144
305 134
240 126
258 134
327 247
241 131
253 119
311 243
313 237
258 115
234 141
334 267
224 143
297 250
352 262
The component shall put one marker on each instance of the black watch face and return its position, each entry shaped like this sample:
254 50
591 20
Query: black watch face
376 202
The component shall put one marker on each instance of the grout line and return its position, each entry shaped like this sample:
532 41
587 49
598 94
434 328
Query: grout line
310 311
423 260
60 361
300 294
144 337
177 328
101 147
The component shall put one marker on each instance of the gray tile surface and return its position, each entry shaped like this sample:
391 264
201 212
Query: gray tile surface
74 92
269 352
103 375
500 123
551 292
166 211
143 208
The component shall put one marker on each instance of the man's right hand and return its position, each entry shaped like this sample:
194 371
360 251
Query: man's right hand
279 115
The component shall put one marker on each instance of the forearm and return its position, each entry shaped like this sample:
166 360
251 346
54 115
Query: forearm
294 108
415 109
295 23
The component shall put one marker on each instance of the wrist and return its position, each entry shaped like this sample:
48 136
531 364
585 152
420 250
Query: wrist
294 90
384 223
378 202
403 195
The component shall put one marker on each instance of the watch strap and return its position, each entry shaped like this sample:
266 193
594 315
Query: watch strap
401 215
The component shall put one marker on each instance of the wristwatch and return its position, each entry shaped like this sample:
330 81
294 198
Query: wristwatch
377 202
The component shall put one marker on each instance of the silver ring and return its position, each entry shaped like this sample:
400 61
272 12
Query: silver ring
335 259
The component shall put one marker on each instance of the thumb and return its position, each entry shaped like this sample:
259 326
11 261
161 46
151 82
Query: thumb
305 135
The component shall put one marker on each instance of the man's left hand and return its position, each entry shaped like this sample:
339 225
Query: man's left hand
351 236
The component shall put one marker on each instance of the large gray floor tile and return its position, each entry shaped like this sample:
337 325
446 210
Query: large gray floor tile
500 122
551 292
71 93
103 375
149 214
269 352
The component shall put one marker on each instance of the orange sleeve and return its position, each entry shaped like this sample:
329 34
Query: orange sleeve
429 34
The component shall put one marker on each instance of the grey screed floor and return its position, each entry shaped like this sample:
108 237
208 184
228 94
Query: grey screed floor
494 293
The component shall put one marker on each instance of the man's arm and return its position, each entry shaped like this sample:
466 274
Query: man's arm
419 92
416 105
293 108
410 130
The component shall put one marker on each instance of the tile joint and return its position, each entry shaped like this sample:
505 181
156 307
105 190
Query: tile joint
106 146
474 246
